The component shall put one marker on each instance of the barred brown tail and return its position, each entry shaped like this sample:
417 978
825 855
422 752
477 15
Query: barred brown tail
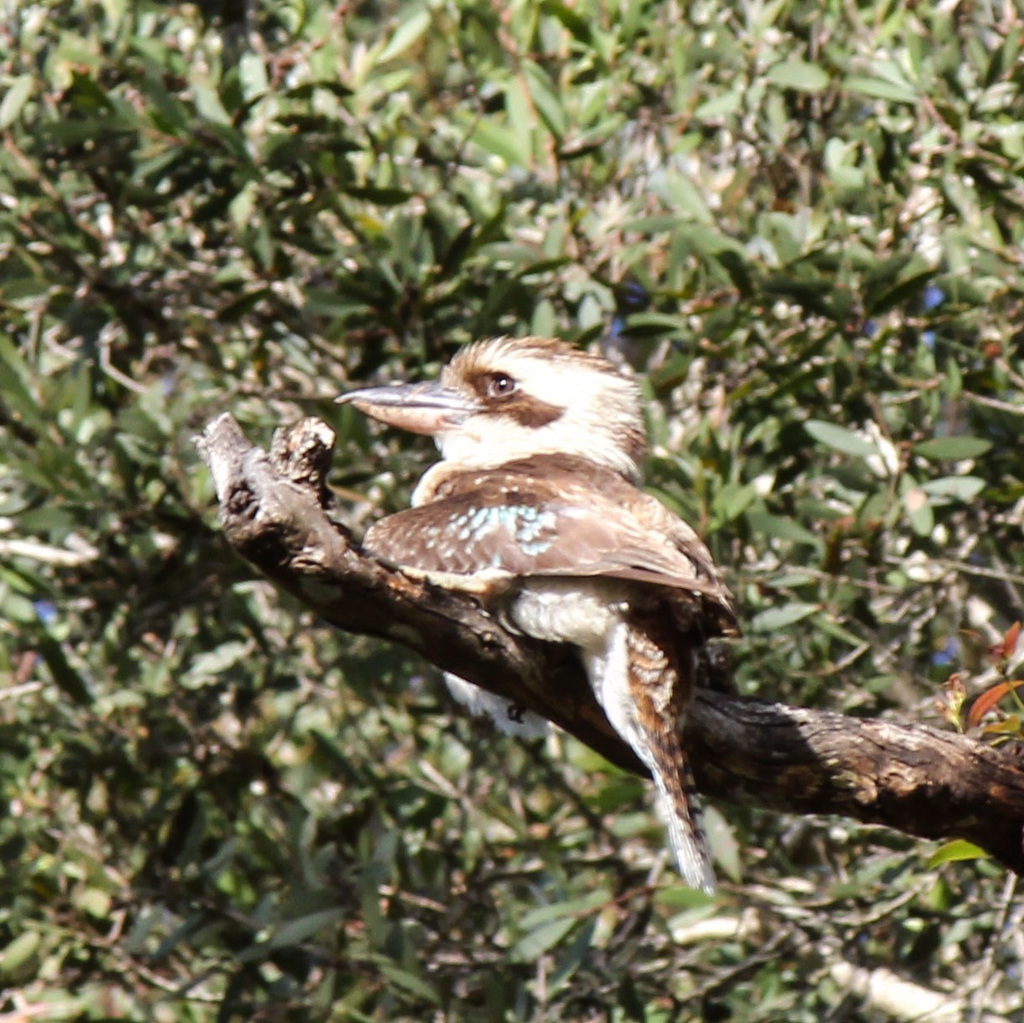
680 807
661 681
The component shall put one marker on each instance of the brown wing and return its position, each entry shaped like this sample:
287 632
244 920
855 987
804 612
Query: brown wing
544 517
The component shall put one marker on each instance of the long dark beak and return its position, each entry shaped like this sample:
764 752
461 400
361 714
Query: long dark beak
420 408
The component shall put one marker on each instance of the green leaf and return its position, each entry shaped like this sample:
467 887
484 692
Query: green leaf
545 99
408 33
719 106
569 908
895 281
252 73
952 852
408 981
211 663
881 88
64 675
209 104
14 99
18 952
654 324
782 528
952 448
656 224
733 499
840 439
538 941
573 955
831 628
686 199
798 74
960 488
920 511
94 901
579 26
16 387
522 119
497 139
296 931
776 618
726 848
379 196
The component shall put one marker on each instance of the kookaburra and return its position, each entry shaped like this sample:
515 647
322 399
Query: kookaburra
541 449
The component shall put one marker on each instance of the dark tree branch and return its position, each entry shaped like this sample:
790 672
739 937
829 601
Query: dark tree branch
913 778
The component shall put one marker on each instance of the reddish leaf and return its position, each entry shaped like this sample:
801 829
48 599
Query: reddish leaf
1010 640
988 699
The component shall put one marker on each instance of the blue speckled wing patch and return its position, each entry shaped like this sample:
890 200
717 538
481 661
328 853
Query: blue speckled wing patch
464 536
532 528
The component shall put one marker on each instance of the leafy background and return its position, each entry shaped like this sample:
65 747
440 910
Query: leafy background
802 221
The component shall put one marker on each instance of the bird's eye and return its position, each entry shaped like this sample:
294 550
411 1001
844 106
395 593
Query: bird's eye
500 385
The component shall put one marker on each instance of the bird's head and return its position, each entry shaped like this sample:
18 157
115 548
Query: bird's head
510 398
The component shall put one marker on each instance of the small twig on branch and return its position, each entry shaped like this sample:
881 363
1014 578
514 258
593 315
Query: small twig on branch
913 778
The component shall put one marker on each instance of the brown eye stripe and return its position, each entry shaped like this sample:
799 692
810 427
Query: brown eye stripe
529 411
514 403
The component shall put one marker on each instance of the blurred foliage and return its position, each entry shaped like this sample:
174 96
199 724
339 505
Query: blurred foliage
803 222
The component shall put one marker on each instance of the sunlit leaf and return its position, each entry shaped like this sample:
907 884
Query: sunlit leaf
18 952
881 88
782 528
800 75
497 139
1010 638
545 99
952 448
408 33
957 850
960 488
776 618
992 696
839 438
15 95
542 938
217 806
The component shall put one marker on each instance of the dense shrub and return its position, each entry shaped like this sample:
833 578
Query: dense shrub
803 222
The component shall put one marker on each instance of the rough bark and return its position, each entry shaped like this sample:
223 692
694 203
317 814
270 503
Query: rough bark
916 779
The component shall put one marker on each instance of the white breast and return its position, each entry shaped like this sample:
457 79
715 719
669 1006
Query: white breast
589 614
582 612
